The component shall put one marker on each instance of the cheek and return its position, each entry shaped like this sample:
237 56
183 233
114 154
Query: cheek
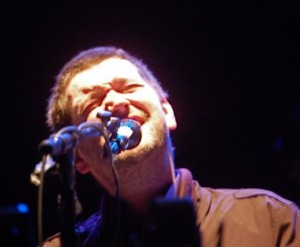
91 150
92 116
146 101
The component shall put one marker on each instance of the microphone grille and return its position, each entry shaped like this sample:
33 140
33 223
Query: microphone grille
132 130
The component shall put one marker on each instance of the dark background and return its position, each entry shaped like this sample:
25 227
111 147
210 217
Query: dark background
231 69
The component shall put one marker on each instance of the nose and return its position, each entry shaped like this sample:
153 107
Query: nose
116 103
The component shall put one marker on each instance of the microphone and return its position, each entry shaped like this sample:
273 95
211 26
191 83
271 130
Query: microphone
122 135
60 142
127 136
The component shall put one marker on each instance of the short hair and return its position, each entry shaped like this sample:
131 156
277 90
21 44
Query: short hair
58 110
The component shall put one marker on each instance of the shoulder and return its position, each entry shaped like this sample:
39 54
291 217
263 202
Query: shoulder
83 229
254 215
265 194
241 195
261 199
241 201
53 241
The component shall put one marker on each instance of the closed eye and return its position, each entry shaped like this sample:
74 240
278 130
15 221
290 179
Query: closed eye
125 85
130 88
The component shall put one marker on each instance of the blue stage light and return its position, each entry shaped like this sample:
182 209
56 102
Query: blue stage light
22 208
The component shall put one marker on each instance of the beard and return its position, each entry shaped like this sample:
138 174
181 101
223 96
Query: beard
153 146
154 138
146 160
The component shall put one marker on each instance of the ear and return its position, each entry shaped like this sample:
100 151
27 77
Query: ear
82 166
169 114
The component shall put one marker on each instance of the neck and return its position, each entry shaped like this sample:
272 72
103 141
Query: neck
140 184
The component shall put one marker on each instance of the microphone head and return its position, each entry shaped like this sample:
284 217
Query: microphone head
130 132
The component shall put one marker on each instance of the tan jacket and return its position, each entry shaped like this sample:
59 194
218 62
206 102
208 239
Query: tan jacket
246 218
236 218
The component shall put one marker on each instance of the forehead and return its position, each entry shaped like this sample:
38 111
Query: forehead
106 71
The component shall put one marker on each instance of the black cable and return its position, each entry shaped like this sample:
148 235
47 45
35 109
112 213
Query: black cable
118 204
109 154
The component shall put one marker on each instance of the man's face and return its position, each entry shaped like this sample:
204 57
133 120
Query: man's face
115 85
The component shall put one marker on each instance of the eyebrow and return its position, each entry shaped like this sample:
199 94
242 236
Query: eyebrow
103 87
94 88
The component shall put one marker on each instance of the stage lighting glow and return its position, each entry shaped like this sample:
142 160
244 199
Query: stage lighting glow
22 208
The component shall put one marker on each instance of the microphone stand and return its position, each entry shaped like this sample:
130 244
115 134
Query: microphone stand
67 199
61 147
